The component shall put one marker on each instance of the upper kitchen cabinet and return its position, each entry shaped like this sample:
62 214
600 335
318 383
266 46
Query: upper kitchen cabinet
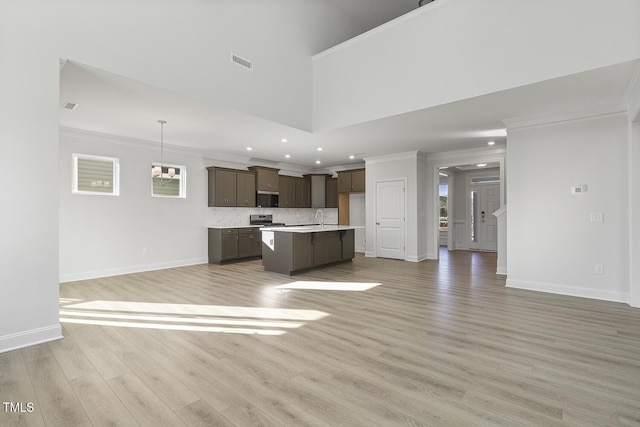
222 187
331 198
324 191
351 181
231 188
287 185
267 179
246 189
303 193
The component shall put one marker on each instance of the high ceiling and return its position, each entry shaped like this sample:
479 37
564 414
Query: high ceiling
112 104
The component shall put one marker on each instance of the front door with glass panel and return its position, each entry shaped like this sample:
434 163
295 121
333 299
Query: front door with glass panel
484 200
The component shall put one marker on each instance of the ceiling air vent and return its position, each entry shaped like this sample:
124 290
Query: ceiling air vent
70 105
241 61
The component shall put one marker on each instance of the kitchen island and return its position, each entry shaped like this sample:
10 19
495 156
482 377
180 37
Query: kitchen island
289 250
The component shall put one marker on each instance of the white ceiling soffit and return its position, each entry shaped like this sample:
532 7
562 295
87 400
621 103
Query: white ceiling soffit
115 105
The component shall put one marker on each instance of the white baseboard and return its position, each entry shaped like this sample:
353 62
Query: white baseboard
554 288
501 271
369 254
74 277
32 337
418 258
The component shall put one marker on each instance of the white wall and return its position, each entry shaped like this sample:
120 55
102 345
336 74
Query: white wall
186 47
29 295
401 166
180 46
107 235
551 244
424 59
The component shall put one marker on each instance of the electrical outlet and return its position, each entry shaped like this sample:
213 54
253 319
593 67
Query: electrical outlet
599 269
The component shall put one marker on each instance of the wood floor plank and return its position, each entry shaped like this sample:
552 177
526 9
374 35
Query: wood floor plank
101 404
201 414
99 354
72 359
15 387
435 343
56 400
142 403
164 384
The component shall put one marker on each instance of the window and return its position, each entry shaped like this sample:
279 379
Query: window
168 180
444 214
95 175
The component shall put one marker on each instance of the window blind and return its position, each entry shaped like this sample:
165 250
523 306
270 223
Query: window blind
95 175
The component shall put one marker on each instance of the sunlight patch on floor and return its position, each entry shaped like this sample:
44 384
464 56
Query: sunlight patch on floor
329 286
188 317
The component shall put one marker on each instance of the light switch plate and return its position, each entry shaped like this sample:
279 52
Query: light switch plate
597 217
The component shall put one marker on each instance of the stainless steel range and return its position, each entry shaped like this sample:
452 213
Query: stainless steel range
265 220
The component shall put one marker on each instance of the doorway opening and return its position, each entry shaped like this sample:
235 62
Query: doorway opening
467 196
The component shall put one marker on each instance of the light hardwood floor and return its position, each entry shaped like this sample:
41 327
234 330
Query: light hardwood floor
435 344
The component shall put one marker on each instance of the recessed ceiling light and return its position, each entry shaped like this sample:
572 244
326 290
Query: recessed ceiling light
284 140
249 148
287 155
319 148
352 157
481 165
491 143
443 174
317 162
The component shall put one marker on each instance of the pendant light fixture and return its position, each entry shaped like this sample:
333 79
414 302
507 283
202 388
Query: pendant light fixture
157 171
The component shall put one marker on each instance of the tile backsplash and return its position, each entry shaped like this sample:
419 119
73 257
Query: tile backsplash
240 216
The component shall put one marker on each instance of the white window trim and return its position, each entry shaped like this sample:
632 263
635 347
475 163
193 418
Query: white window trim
115 179
183 181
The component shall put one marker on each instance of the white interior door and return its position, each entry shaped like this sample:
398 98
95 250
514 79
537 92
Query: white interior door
484 200
390 219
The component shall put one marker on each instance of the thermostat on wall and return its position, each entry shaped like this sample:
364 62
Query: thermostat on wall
579 189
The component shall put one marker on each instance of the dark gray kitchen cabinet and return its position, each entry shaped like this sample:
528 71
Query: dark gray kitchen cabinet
291 252
331 198
303 193
231 188
267 179
232 244
302 251
287 188
249 242
222 187
245 189
352 181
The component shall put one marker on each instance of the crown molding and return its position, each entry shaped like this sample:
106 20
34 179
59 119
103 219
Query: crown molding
470 153
211 158
101 137
410 155
578 113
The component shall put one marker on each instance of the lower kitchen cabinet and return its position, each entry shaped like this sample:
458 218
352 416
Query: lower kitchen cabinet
234 244
292 252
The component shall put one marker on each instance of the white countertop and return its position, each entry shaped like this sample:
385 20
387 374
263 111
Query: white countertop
224 227
312 228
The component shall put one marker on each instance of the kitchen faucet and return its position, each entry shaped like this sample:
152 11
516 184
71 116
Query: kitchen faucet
319 211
